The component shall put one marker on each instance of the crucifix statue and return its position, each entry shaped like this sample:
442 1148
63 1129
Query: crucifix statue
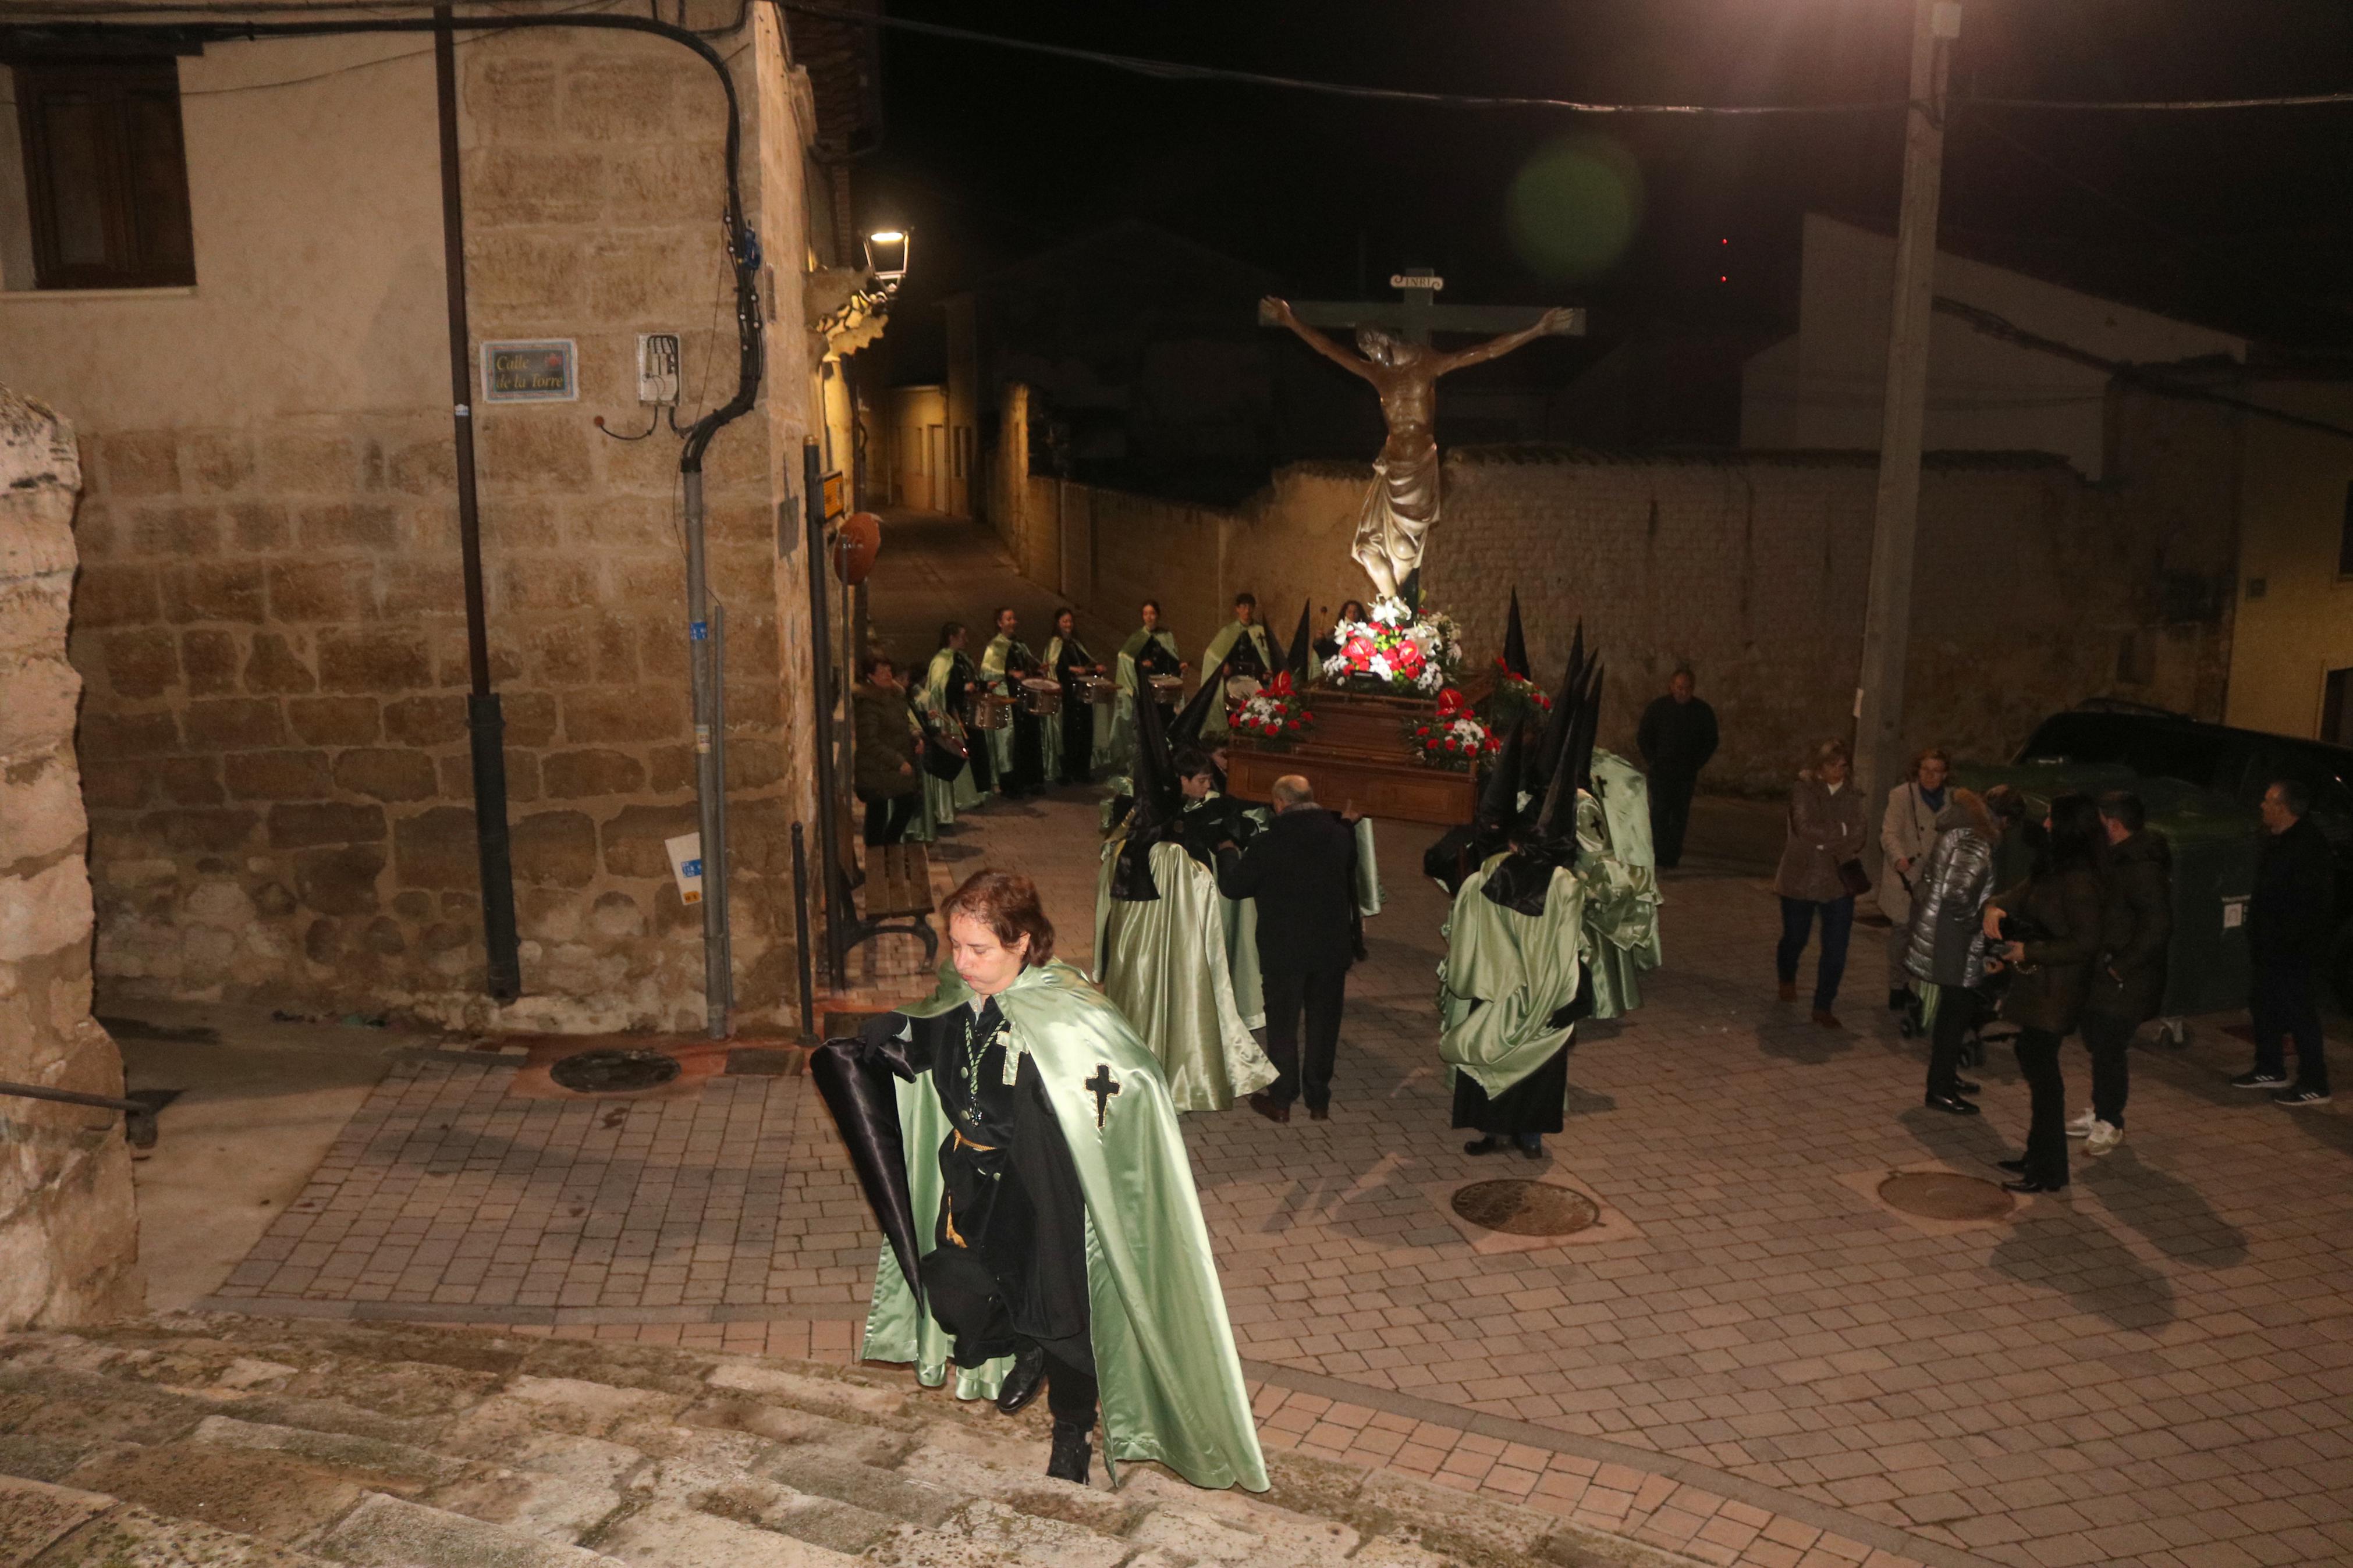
1404 369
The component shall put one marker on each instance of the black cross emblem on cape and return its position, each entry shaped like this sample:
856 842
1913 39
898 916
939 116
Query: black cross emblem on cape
1102 1085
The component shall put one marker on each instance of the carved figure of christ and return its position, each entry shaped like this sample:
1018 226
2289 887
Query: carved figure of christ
1393 528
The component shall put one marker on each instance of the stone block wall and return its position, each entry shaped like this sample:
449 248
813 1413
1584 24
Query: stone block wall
68 1238
271 616
2034 590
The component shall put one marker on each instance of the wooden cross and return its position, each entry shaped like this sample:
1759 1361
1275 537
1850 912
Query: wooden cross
1418 314
1102 1085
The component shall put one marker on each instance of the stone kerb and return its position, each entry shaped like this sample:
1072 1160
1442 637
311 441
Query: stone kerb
67 1235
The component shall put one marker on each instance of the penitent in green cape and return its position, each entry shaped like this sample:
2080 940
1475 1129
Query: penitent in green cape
1170 1379
1219 647
1505 974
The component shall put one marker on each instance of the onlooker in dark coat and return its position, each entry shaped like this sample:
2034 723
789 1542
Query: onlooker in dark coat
1677 737
2054 934
1827 828
1303 871
2128 980
2287 936
886 775
1945 943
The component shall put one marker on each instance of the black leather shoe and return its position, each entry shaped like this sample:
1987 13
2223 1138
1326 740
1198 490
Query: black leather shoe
1270 1108
2031 1184
1022 1384
1951 1105
2016 1165
1071 1452
1963 1086
1315 1115
1898 1000
1480 1146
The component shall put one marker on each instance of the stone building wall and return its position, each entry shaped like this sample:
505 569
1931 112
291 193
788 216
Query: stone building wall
2034 589
271 620
68 1239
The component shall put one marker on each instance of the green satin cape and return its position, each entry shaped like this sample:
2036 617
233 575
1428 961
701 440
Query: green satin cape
992 674
1171 1382
942 798
1504 974
1220 645
1119 748
1622 884
1166 964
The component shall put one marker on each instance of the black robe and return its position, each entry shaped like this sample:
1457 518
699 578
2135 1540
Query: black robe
1007 1263
1027 775
1078 713
961 676
1534 1104
1155 659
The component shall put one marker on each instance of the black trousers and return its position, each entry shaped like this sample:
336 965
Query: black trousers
1671 801
1321 993
1027 776
2046 1133
1078 722
2108 1036
1797 925
1956 1009
2285 1009
887 820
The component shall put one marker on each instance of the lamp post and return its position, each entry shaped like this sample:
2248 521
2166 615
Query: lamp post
1887 615
886 257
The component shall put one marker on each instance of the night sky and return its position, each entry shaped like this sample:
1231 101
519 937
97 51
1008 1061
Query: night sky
2240 219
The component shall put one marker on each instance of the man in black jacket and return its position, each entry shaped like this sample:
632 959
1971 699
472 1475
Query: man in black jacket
2128 976
1677 737
2287 934
1303 872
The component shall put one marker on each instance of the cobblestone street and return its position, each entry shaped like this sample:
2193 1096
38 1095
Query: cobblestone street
1750 1359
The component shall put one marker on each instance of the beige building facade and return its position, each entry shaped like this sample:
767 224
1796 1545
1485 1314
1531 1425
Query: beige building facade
270 615
2292 655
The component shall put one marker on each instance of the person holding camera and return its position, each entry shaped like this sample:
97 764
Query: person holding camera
2048 931
1821 873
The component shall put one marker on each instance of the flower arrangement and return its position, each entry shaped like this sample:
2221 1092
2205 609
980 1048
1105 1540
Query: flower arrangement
1453 737
1277 713
1514 698
1397 648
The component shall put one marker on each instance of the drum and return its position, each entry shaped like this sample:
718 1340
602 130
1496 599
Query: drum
1169 689
944 754
990 710
1097 687
1041 696
1242 687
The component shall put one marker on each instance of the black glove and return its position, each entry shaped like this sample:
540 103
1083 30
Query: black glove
879 1041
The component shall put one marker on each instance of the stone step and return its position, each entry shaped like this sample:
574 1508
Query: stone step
295 1442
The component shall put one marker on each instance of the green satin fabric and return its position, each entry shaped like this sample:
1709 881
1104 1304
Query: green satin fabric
1220 645
1622 884
1368 870
1171 1381
1504 974
942 798
1165 964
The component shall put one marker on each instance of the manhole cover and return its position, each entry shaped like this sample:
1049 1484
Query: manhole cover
614 1072
1525 1208
1940 1195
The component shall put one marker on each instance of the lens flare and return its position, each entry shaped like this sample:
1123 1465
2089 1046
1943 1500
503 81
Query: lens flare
1573 207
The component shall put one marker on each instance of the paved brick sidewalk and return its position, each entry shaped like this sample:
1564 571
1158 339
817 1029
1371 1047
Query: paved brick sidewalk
2156 1367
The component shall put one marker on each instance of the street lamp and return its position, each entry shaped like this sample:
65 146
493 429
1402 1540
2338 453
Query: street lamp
886 256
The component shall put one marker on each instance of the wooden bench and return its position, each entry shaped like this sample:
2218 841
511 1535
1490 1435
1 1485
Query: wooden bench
898 898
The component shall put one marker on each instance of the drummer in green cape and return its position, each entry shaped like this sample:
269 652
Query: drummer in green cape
1073 751
1241 647
1040 1224
1019 751
1151 651
949 686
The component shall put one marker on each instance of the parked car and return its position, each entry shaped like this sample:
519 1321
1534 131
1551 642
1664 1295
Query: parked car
2239 765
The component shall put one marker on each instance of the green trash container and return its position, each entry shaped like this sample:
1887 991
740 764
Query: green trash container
2214 840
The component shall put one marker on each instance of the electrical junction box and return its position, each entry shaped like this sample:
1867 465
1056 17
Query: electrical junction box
657 368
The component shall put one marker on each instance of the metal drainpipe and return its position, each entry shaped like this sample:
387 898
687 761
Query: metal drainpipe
709 783
829 829
484 723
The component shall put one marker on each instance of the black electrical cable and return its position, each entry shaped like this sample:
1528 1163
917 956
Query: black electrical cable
742 246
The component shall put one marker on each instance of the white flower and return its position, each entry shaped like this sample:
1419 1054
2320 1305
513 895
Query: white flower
1380 666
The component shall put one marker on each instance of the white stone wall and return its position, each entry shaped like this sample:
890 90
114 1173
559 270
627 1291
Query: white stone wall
68 1240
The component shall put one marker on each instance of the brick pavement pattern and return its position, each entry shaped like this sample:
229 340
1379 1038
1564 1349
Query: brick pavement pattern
2156 1367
